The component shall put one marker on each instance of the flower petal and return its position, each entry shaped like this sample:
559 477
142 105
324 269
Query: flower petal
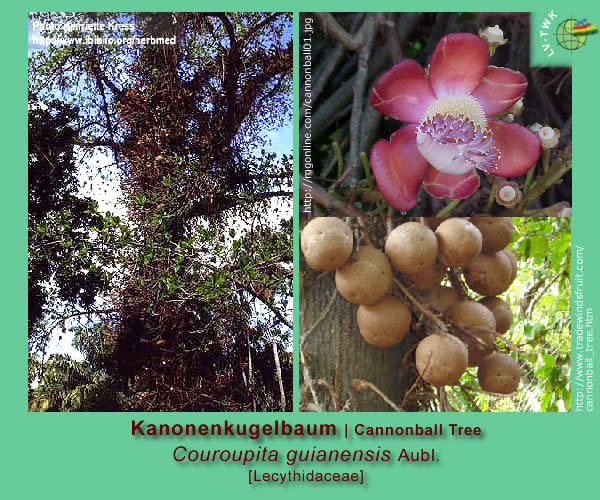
519 148
399 168
456 187
458 63
499 89
403 92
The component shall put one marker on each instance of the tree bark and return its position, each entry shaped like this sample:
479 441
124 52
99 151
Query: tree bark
278 371
334 355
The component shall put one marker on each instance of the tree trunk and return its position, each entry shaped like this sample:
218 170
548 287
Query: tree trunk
334 356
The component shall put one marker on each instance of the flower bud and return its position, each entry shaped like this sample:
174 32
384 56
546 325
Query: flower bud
565 212
549 137
563 209
493 36
536 127
508 193
517 108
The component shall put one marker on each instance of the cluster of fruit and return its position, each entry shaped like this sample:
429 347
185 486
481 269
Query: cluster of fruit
422 253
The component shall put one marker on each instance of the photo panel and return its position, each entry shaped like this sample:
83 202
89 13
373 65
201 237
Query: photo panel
435 314
431 114
160 211
424 136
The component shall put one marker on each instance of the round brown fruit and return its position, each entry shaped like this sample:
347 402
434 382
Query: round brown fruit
441 298
427 278
459 242
412 247
385 323
499 373
489 274
467 314
496 232
326 243
441 359
366 279
513 262
501 311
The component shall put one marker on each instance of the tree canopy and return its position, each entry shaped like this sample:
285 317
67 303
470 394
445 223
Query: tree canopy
180 302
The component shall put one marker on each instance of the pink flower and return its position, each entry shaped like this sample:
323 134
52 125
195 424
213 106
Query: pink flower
451 133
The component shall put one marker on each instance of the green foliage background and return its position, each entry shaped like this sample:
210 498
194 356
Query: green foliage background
540 299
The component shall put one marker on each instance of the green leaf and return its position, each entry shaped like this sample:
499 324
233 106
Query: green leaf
527 251
539 245
549 360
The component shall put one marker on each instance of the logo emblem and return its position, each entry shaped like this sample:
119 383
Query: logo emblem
572 34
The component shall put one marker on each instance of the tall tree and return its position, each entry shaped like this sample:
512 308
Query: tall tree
186 124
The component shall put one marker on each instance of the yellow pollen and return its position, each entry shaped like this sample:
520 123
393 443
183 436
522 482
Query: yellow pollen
456 106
